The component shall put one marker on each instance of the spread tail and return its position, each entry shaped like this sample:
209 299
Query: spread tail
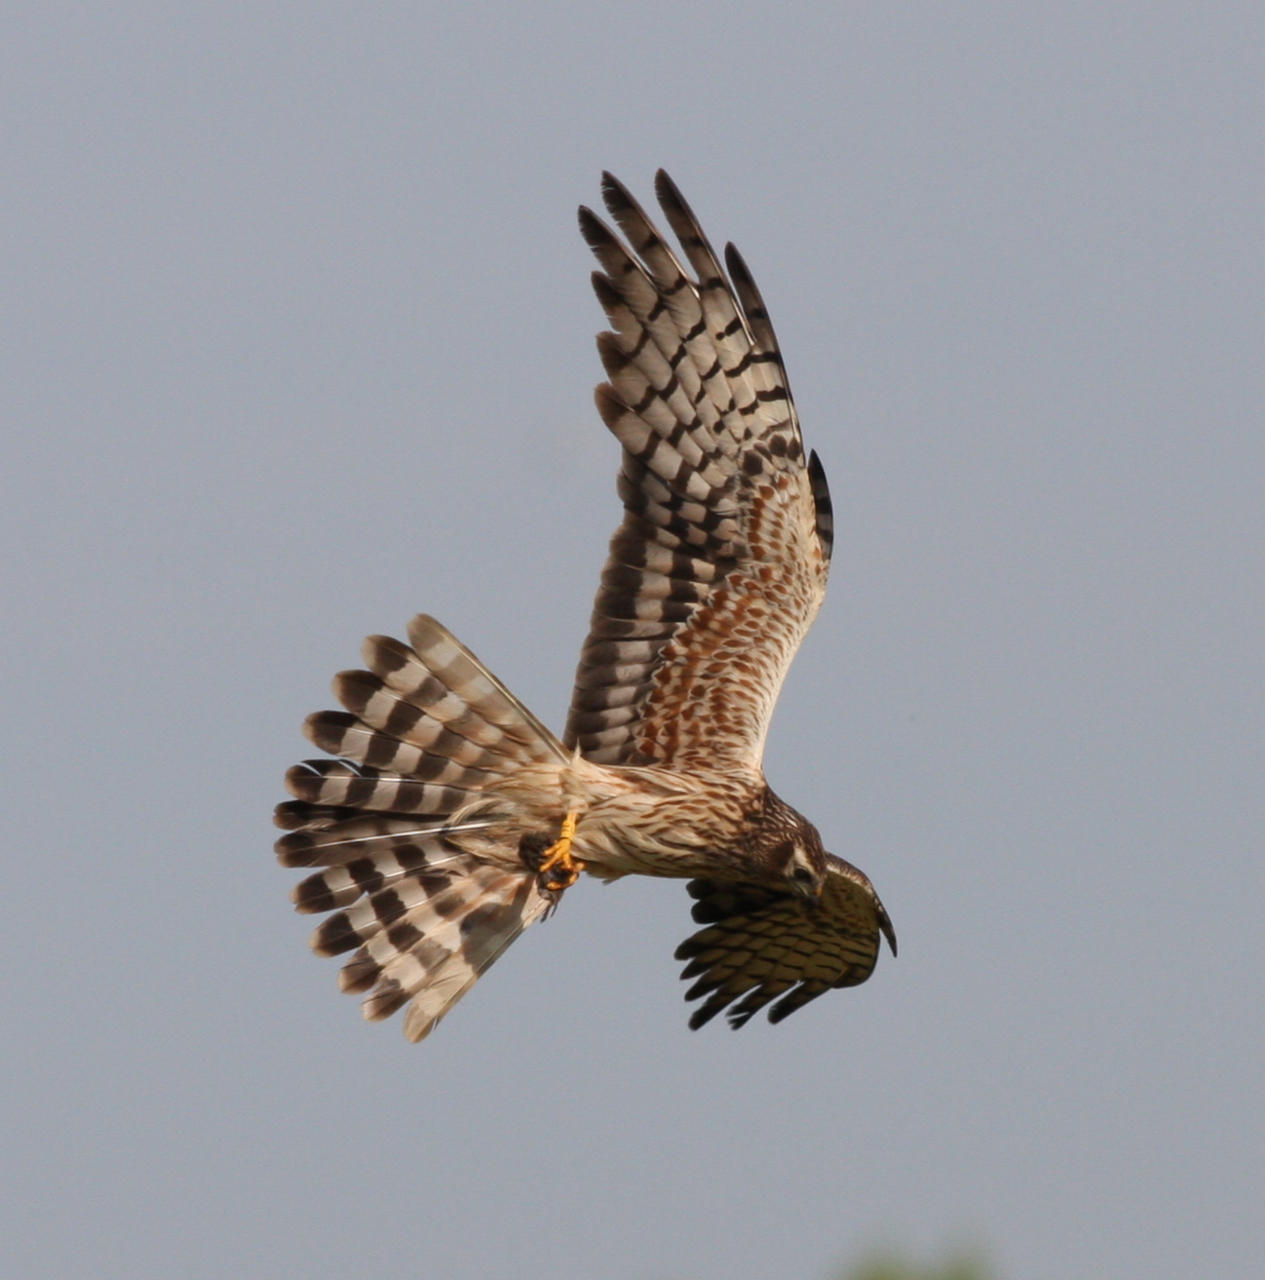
427 890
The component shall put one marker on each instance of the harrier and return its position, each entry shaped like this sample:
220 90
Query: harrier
451 818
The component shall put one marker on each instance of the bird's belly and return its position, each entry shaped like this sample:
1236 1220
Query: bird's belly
619 848
656 822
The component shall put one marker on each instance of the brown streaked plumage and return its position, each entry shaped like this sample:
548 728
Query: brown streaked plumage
437 829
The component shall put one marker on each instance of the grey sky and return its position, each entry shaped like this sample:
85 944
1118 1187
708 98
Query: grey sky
298 342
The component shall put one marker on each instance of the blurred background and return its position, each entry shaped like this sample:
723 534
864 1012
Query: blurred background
298 342
896 1267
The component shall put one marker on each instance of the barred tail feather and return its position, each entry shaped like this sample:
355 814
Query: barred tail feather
425 939
419 866
430 712
425 731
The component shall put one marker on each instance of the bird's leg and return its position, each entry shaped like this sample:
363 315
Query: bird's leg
558 869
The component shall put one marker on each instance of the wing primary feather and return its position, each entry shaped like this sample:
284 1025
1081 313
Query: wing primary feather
713 468
821 501
752 303
693 238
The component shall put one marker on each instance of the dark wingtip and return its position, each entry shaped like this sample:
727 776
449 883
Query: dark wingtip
592 228
669 194
738 269
701 1017
820 489
614 193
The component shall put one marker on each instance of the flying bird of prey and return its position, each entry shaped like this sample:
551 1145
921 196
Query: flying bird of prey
451 818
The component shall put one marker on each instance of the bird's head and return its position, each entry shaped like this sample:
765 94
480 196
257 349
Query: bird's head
786 849
804 865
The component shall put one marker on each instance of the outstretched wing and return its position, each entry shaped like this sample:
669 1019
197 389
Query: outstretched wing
719 566
762 943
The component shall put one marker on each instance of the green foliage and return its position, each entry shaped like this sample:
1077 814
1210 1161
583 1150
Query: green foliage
893 1267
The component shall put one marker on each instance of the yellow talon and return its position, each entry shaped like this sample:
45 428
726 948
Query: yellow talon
558 855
